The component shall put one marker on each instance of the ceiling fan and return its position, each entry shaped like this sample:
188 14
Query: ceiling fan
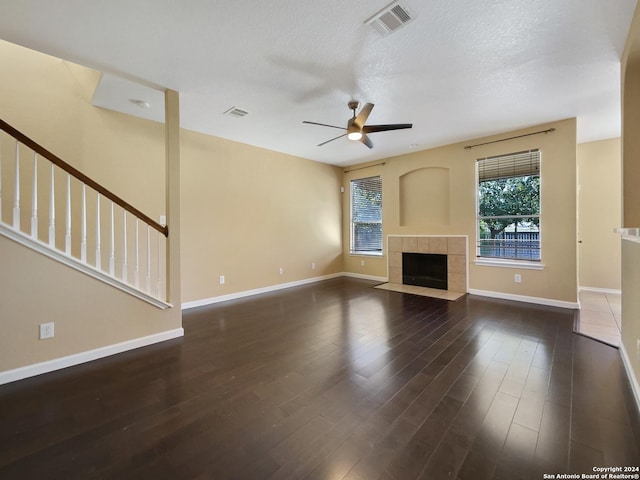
356 128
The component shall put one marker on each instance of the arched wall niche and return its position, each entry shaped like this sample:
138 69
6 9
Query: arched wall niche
424 197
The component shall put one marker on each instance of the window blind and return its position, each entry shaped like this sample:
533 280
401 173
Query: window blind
366 215
509 166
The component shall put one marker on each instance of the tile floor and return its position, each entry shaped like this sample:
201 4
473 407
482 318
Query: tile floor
600 316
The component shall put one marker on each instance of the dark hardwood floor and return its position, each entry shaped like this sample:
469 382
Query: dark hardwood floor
334 380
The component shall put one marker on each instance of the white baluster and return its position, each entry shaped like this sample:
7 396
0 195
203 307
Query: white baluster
67 221
98 252
148 259
158 265
34 198
124 246
112 248
136 278
52 210
16 193
0 185
83 226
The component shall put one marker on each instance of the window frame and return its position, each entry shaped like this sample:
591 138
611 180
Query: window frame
352 224
503 261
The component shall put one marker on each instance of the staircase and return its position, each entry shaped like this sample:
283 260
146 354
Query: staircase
51 207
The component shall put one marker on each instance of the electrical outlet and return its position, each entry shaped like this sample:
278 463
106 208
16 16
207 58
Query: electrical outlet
281 271
313 265
221 279
517 278
47 330
362 263
163 220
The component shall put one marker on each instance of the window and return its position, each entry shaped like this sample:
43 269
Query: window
509 206
366 215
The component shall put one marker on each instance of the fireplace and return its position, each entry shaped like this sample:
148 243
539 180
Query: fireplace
453 248
424 270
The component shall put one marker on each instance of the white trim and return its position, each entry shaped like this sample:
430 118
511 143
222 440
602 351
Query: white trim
523 298
88 356
419 235
256 291
600 290
44 249
495 262
635 387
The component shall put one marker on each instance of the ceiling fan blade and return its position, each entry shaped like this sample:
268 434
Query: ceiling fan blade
367 141
335 138
323 125
384 128
361 119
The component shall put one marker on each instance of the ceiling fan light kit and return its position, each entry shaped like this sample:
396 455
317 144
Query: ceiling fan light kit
356 129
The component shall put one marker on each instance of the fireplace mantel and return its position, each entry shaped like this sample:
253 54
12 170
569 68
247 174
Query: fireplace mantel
456 247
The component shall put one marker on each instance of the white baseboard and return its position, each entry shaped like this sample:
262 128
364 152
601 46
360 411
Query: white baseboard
523 298
600 290
272 288
633 380
256 291
83 357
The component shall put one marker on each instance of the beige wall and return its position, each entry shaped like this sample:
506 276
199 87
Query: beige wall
631 304
49 100
631 145
599 213
88 314
631 197
630 123
456 207
249 211
245 213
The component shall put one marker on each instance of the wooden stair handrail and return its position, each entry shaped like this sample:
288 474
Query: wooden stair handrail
43 152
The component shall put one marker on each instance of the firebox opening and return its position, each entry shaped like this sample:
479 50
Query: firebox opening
424 270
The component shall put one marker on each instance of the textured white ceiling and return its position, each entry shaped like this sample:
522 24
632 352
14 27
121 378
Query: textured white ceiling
460 70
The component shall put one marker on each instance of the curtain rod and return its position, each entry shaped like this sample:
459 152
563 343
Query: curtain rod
549 130
368 166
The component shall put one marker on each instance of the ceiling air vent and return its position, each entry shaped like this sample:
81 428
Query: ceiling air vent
235 112
390 18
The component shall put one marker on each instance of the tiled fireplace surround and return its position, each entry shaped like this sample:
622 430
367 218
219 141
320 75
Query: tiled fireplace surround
455 247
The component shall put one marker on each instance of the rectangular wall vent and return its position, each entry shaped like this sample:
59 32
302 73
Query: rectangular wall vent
390 18
235 112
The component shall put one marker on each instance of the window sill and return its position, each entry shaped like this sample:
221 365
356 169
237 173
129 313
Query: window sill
630 234
366 254
496 262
